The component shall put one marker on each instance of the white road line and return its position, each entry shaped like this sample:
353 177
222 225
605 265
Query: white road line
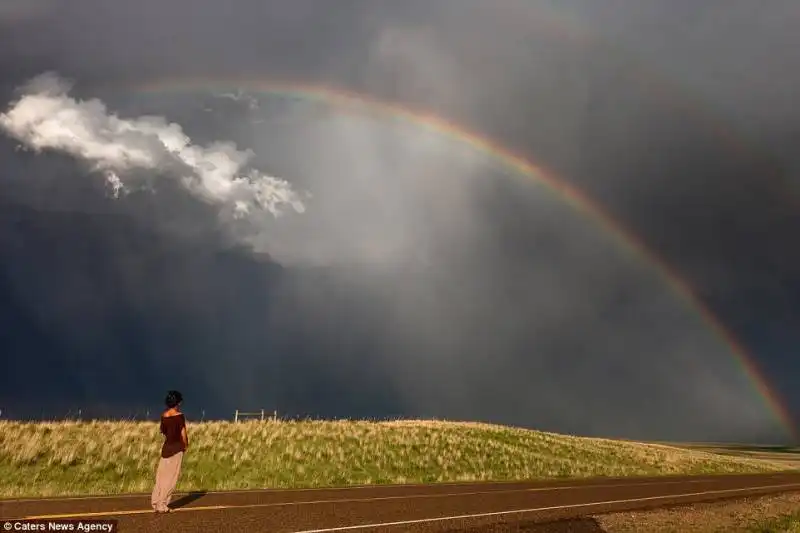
342 500
266 491
537 509
353 500
280 490
628 481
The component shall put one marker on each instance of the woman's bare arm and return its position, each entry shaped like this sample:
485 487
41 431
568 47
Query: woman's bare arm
185 436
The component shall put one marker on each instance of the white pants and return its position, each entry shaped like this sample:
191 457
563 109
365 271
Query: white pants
166 479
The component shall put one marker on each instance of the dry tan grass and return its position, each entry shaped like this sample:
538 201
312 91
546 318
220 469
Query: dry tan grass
60 458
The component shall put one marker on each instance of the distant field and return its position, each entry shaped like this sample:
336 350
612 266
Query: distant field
72 458
790 456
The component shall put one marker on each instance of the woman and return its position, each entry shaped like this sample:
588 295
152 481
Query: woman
176 440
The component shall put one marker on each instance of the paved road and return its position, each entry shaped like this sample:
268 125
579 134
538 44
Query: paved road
396 509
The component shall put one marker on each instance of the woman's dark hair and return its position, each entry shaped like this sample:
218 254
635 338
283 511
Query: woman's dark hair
173 398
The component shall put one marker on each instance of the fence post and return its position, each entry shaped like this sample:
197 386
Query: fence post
275 415
236 416
262 415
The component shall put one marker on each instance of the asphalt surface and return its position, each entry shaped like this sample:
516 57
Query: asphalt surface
396 509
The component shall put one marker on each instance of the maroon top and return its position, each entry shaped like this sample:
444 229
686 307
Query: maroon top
171 427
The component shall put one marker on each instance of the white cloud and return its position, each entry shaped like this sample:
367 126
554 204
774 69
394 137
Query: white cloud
45 117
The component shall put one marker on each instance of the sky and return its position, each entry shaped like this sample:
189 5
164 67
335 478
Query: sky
258 250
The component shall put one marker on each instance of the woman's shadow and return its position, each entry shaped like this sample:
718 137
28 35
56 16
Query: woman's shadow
187 499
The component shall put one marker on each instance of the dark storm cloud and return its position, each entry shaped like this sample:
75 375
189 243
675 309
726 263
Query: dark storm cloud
435 288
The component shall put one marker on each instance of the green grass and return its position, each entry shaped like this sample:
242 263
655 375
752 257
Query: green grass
72 458
788 523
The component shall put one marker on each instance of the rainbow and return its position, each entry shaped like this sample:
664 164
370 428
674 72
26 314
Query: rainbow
344 100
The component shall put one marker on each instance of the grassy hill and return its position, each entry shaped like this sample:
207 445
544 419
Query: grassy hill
71 458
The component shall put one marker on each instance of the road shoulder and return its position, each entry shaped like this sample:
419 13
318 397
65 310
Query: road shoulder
729 516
